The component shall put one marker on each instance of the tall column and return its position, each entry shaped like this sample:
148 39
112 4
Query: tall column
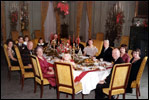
44 9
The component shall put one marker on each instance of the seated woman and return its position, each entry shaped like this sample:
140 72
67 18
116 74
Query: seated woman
11 53
90 50
136 62
26 39
124 55
47 70
41 42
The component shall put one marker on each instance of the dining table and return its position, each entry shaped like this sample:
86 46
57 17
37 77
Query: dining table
89 74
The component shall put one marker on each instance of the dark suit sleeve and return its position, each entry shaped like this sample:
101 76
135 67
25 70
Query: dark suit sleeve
82 47
101 54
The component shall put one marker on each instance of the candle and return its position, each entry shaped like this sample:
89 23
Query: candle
73 38
69 39
78 41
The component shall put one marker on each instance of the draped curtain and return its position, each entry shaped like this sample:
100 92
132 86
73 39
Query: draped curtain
86 29
44 9
58 22
3 23
79 15
50 22
89 13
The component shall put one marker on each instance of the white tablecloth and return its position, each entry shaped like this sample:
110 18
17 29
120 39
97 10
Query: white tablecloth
91 79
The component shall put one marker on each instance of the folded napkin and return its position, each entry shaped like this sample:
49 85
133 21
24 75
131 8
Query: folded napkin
108 67
78 78
51 65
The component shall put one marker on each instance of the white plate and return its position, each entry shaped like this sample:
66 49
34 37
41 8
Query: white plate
84 57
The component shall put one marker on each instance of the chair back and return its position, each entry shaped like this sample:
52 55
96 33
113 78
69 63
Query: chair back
83 43
6 54
15 35
124 40
141 69
64 75
120 76
100 36
38 34
26 32
19 59
35 42
99 45
36 67
129 53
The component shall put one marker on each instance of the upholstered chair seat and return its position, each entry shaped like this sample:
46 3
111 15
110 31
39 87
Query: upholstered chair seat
119 80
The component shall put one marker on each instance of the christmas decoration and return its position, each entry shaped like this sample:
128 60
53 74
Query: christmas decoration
13 15
114 24
13 20
62 8
24 18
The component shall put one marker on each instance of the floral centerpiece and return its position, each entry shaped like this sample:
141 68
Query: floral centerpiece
24 16
114 24
13 15
63 48
62 8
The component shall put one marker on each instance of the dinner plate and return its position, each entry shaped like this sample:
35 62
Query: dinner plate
84 57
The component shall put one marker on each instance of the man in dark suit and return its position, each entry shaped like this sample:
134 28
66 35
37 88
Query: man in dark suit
20 44
26 55
106 52
105 83
77 41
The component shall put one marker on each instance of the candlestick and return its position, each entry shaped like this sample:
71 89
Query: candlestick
73 38
69 39
73 52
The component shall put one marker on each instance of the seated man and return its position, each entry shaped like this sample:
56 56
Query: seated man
26 54
58 41
106 52
20 44
105 83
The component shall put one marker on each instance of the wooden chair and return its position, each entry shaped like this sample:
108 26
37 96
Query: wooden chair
119 80
26 32
38 34
124 40
24 74
99 45
100 36
38 75
83 43
10 67
136 83
65 81
35 42
129 53
15 35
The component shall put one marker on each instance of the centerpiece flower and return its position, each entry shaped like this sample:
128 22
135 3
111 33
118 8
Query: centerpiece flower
13 15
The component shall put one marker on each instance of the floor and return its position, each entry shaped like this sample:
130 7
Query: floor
12 89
